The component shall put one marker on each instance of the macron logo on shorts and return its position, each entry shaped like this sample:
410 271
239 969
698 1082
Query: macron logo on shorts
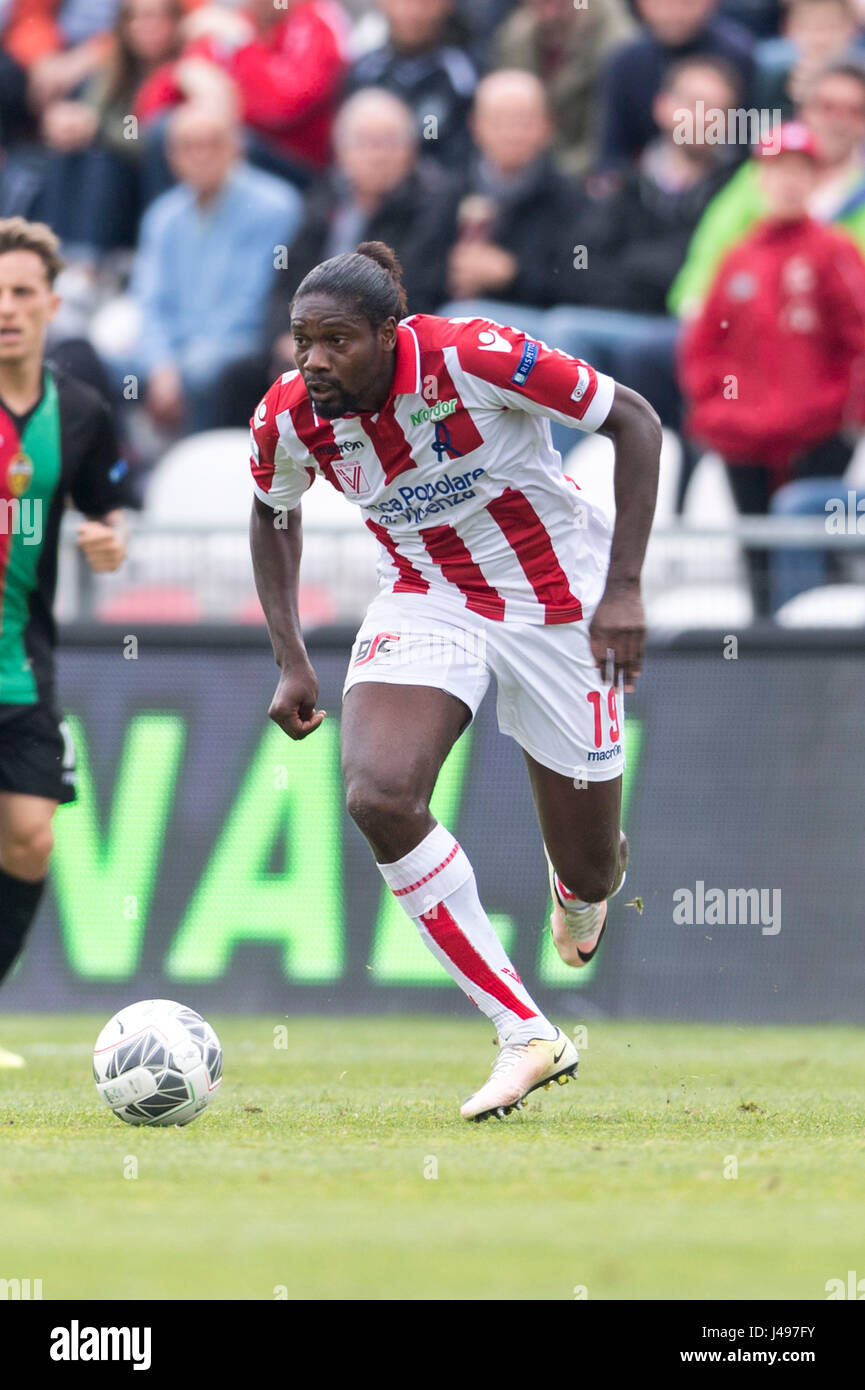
603 755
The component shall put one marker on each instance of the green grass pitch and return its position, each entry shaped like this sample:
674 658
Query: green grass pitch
338 1167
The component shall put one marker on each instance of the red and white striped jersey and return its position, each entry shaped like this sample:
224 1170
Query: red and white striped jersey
456 475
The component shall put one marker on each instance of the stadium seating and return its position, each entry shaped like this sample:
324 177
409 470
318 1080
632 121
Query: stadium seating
205 477
832 605
155 603
688 580
194 533
686 607
316 608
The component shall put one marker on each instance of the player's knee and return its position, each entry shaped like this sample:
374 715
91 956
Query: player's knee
378 809
381 811
592 882
25 851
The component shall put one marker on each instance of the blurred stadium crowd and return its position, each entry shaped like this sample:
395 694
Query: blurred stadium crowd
547 163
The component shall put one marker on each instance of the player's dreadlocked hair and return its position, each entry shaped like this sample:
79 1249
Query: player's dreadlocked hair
370 277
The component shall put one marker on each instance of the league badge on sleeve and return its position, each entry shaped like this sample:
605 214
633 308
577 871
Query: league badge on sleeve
527 363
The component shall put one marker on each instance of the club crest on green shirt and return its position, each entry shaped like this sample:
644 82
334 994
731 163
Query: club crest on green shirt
19 473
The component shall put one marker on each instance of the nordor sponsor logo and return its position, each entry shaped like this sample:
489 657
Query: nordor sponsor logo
434 412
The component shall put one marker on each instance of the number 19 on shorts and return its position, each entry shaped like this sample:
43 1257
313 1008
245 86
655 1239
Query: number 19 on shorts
596 700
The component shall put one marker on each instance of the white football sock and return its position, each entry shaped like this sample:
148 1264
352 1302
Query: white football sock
435 884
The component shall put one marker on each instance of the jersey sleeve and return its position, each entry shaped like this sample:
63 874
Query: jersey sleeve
509 369
279 479
101 483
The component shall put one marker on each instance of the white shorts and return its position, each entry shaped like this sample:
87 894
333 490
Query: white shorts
551 698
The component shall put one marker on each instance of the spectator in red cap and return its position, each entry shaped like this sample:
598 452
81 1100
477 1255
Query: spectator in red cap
773 368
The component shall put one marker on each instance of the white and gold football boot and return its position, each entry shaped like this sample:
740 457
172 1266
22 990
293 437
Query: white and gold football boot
519 1069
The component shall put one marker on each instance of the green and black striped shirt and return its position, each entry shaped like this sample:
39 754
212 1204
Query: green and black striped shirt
64 448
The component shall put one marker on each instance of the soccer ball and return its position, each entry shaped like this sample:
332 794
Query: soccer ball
157 1063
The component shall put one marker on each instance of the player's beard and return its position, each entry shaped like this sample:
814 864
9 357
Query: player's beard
343 403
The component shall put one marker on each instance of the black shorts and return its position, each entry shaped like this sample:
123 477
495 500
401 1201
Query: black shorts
37 755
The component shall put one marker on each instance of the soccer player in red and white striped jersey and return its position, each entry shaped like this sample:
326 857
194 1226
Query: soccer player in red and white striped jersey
491 564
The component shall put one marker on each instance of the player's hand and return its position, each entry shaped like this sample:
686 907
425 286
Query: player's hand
619 626
104 546
293 705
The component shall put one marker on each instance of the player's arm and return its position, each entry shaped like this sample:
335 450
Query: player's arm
619 623
102 486
508 370
276 542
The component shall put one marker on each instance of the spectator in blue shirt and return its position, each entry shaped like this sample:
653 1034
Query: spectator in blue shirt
204 267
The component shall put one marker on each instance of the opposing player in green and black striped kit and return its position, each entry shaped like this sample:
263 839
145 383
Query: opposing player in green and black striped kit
58 448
